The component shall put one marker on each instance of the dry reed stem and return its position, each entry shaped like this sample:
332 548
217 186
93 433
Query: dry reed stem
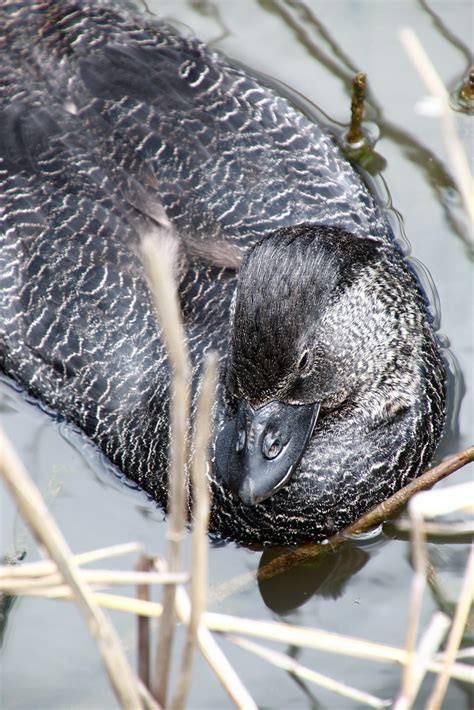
215 658
101 578
282 660
430 642
303 636
443 501
467 652
163 288
32 507
455 635
310 638
148 700
201 509
424 505
454 148
460 529
414 612
47 567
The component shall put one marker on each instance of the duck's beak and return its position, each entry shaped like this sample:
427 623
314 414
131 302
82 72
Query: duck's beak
258 450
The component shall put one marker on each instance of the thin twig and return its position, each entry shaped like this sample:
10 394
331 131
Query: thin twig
32 507
201 508
282 660
160 276
455 635
431 79
389 507
374 517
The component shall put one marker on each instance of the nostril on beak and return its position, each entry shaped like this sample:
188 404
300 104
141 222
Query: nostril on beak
272 445
241 439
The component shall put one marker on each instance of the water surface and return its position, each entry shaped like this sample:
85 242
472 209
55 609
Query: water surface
47 658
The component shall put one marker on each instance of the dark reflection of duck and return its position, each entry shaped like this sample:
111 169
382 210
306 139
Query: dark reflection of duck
325 576
113 127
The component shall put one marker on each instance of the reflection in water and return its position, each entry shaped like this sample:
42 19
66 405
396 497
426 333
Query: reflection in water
325 576
7 601
446 33
6 605
210 9
298 16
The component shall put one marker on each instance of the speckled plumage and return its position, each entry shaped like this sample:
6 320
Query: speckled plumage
112 127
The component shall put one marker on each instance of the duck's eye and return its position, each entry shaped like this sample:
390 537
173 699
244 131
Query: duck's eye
304 361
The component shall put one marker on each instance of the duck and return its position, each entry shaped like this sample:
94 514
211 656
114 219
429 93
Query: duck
331 388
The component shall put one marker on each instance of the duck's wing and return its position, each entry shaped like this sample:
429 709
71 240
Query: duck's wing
229 160
249 161
73 293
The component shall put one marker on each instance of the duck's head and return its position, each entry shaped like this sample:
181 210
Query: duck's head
315 325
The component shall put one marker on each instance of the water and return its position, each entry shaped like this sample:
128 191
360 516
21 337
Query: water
47 658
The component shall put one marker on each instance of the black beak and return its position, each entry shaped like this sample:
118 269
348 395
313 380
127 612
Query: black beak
258 450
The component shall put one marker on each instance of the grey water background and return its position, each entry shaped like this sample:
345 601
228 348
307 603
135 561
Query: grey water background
47 659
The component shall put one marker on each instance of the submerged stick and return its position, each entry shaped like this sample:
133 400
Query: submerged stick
32 507
201 509
355 136
466 92
163 288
